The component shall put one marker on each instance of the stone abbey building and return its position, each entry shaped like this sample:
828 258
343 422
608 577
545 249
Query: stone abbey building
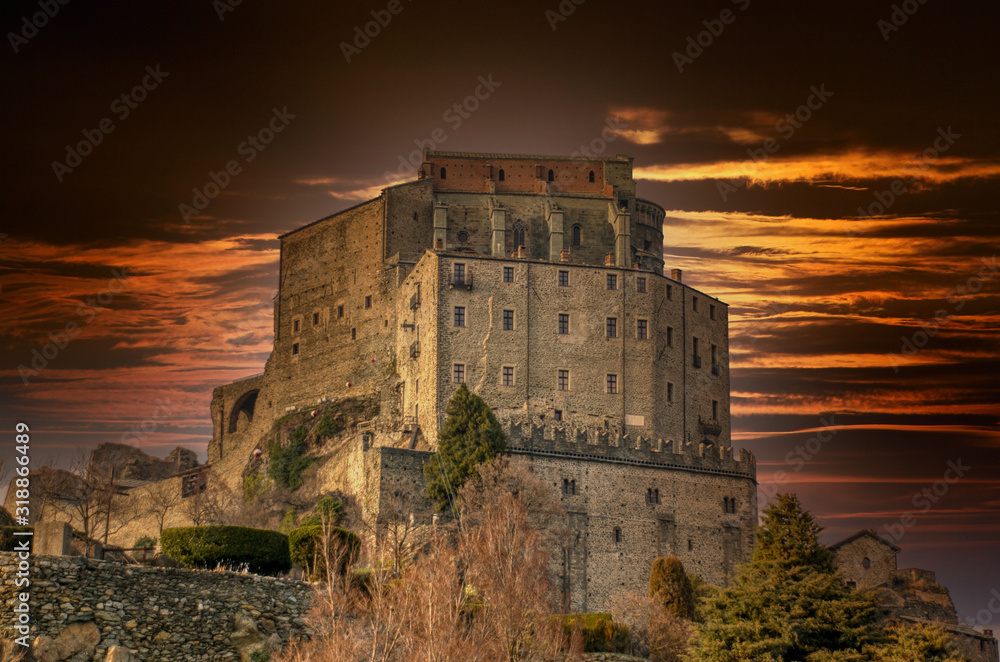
539 283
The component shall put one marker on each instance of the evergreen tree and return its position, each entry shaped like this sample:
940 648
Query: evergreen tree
670 586
788 603
470 436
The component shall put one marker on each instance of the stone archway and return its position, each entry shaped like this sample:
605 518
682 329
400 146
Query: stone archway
244 405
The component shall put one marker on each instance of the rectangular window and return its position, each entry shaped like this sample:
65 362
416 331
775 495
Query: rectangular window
354 334
508 320
715 360
508 274
696 359
295 349
459 274
612 282
558 414
416 387
694 303
715 410
670 336
711 311
459 373
459 315
670 392
315 319
508 376
670 292
368 301
340 312
612 384
563 323
563 278
640 329
564 380
640 284
612 325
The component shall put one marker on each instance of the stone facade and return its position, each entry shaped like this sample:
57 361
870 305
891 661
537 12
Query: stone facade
162 614
865 560
540 283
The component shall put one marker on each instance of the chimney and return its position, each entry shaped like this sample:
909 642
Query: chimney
676 274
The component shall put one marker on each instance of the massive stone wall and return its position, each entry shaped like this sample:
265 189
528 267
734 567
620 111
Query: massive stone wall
161 614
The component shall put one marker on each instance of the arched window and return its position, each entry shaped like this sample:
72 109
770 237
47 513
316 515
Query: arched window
444 174
591 176
576 235
518 234
552 176
500 177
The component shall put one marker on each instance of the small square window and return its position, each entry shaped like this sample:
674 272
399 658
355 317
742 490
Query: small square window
640 284
295 326
670 336
508 274
670 392
640 329
612 282
459 315
368 301
612 382
564 380
508 320
295 349
315 319
340 312
557 415
563 278
508 376
459 373
563 323
711 311
612 326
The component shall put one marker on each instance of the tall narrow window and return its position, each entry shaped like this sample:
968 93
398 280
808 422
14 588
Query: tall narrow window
500 175
612 282
508 320
618 535
695 357
612 383
612 327
458 373
715 360
640 284
591 176
670 336
354 334
563 323
459 315
315 319
640 329
295 326
368 301
444 174
670 292
508 376
340 311
715 410
694 303
552 176
563 278
564 380
711 311
459 277
670 392
295 349
577 235
518 234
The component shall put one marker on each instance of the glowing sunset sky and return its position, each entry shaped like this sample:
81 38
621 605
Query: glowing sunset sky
856 247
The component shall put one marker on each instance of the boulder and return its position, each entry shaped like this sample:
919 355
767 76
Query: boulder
76 642
247 639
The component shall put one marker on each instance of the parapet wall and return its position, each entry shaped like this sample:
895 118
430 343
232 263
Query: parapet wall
616 447
162 614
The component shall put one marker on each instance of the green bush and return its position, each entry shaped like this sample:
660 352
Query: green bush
305 549
600 633
286 463
328 508
670 586
328 425
145 541
8 539
264 552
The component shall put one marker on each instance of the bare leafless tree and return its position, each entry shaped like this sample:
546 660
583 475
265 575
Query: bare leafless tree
161 500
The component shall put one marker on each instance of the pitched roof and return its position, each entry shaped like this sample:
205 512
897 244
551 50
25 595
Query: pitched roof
861 534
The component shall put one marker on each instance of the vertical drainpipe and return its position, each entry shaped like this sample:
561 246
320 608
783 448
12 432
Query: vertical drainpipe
527 353
624 327
684 361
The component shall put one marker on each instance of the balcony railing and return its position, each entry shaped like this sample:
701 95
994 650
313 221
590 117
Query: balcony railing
461 280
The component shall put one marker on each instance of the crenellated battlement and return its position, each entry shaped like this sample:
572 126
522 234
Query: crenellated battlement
613 446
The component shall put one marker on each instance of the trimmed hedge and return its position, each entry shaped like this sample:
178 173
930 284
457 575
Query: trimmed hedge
600 633
305 548
264 552
7 537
